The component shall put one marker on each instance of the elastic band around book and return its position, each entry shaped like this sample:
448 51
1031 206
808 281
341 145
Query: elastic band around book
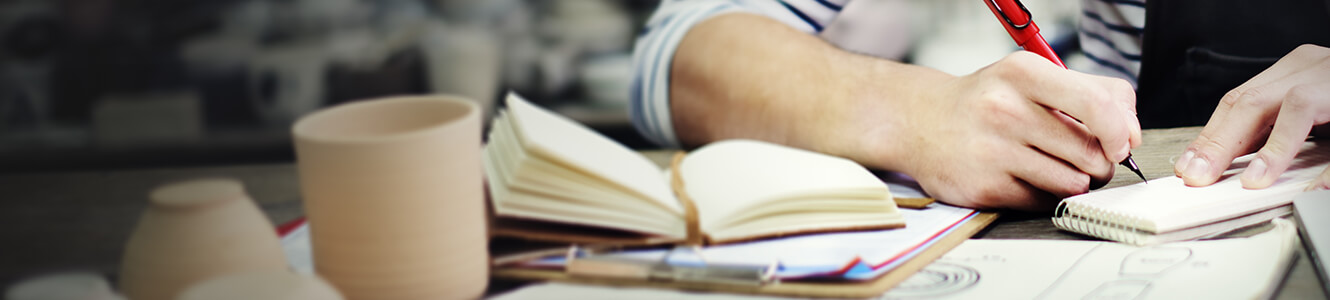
691 223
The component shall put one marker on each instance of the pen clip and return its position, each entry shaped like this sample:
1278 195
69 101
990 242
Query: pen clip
998 8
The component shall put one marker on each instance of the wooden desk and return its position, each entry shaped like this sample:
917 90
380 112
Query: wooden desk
80 220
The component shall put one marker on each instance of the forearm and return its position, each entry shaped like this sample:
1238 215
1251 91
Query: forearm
747 76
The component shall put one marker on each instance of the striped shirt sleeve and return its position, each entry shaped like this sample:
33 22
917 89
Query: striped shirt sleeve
654 50
1110 34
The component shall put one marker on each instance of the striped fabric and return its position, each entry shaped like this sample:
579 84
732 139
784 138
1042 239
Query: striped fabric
1110 34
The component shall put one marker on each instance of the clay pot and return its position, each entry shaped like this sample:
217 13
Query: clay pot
64 286
393 194
194 230
263 285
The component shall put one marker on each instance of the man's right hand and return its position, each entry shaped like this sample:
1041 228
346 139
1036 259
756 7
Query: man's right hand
1007 136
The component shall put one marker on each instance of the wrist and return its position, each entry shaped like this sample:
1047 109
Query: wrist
883 106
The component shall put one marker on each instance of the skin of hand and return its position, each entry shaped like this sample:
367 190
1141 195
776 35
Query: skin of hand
1280 106
1006 136
1007 133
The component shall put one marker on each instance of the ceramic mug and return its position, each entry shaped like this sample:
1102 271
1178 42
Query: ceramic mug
195 230
394 198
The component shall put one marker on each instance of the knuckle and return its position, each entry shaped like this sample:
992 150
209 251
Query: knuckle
1093 153
988 196
998 109
1311 49
1076 185
1254 98
1231 98
1212 148
1096 101
1277 151
1302 98
1121 85
1015 65
1123 91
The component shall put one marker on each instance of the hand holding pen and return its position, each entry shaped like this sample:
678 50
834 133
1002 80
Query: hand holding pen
1018 22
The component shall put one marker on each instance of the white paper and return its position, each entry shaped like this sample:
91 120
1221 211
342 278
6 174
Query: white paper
1239 268
299 252
544 291
1242 268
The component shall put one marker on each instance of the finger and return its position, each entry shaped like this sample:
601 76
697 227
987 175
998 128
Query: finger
1303 107
1243 116
1010 193
1243 119
1127 100
1033 199
1321 182
1294 62
989 192
1083 97
1047 173
1063 138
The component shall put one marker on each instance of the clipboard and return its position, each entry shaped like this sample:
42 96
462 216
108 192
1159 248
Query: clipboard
838 289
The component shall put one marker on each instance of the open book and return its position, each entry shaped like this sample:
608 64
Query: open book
578 186
1166 210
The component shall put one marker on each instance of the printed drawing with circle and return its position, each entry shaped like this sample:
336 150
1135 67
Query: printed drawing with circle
1237 268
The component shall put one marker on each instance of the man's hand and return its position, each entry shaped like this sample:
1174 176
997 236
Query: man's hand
1005 137
1279 106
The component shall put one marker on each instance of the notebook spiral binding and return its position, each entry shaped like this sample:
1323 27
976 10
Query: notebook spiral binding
1098 222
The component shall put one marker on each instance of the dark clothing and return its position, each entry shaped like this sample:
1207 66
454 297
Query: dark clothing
1195 51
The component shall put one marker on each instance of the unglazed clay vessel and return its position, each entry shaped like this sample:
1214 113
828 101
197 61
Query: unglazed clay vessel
393 194
192 231
63 286
262 285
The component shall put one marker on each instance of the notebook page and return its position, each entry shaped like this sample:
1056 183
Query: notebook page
577 146
1166 204
729 177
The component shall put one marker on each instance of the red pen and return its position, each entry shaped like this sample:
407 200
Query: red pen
1018 22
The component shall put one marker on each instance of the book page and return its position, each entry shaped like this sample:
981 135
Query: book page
579 148
737 181
1166 204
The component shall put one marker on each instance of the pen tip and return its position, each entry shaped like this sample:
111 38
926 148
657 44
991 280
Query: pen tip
1131 165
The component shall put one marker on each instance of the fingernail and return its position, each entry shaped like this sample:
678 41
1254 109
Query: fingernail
1181 164
1196 168
1255 171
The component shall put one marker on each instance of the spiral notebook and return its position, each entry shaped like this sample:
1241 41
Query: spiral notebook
1166 210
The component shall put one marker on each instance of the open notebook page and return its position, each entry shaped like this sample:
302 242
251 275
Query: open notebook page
562 139
737 178
1166 204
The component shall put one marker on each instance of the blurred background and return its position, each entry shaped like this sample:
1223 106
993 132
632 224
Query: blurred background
105 84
